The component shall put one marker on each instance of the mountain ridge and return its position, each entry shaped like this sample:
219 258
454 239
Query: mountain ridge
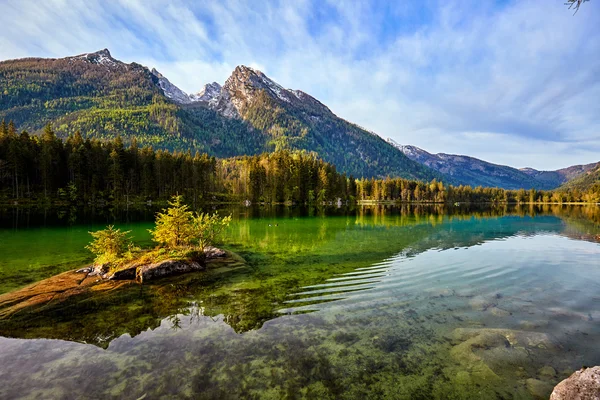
103 97
472 171
249 114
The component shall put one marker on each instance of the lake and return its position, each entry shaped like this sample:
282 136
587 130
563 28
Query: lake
368 302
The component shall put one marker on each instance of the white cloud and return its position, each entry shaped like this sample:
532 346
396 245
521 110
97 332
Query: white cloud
436 74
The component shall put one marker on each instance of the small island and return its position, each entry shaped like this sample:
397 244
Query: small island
185 243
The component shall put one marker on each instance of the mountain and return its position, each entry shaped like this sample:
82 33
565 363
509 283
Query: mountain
474 172
588 179
295 120
103 97
560 176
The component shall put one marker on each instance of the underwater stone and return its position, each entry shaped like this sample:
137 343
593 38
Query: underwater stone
480 303
530 325
463 378
498 312
514 337
547 371
538 389
582 385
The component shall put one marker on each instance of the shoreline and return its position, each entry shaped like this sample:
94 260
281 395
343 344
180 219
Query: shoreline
162 203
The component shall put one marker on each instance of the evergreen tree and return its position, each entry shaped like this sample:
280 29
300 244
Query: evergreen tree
173 225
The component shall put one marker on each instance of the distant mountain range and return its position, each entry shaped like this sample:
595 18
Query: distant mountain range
103 97
474 172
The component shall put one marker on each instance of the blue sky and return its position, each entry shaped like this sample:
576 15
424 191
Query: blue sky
511 82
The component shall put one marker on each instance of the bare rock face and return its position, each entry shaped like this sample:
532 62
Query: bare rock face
582 385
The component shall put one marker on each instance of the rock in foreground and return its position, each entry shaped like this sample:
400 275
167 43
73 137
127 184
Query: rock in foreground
582 385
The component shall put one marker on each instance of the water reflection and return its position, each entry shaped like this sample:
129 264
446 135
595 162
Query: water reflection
296 262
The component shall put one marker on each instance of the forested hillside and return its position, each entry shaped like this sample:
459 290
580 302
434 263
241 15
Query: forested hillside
589 180
103 98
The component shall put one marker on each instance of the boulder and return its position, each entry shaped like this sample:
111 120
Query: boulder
582 385
127 273
166 268
213 252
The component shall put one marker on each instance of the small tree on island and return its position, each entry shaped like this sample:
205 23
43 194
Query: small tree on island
179 232
206 228
179 228
109 244
173 225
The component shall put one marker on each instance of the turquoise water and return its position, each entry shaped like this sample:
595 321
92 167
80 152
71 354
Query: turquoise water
367 303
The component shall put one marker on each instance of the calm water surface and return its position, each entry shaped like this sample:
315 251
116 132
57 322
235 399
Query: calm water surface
341 304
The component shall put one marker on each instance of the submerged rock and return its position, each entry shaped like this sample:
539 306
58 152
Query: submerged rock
514 337
483 303
547 371
531 325
499 312
582 385
485 354
538 389
55 289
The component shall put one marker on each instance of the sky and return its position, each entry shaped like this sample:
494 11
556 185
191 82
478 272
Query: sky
511 82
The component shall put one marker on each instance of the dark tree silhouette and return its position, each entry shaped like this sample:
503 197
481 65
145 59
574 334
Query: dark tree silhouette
575 4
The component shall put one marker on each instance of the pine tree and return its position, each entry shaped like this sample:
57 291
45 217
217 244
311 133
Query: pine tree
173 225
108 244
3 129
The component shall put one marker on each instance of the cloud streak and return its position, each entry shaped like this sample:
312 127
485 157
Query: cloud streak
512 82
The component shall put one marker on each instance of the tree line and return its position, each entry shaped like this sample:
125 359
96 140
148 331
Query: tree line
45 168
76 170
406 191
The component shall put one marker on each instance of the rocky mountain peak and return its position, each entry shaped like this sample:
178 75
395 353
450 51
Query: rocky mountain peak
245 82
101 57
103 52
170 90
239 90
209 93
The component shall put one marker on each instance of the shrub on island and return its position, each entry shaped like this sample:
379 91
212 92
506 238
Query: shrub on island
184 240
